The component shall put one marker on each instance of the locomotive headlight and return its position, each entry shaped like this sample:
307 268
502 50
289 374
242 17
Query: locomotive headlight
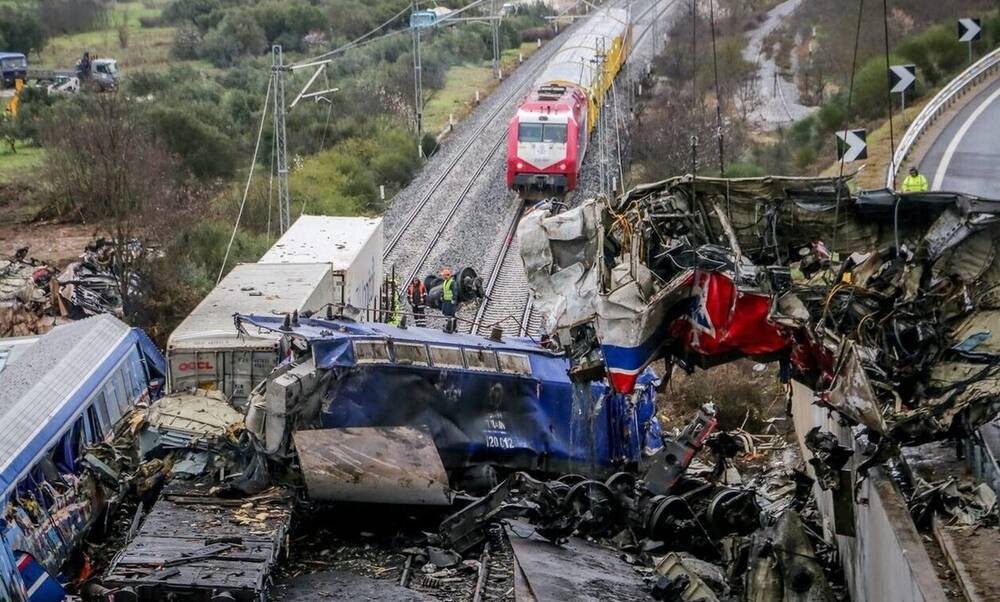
562 166
520 165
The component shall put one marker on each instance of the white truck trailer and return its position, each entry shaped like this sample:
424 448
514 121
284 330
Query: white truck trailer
319 261
352 246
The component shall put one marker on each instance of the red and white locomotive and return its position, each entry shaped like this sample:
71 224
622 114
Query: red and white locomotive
548 136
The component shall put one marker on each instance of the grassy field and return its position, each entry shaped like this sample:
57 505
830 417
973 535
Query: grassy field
144 48
13 165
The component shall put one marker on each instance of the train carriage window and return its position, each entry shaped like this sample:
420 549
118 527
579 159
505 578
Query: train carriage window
514 363
481 359
118 381
446 357
131 381
367 352
112 402
554 132
411 353
529 132
102 410
92 426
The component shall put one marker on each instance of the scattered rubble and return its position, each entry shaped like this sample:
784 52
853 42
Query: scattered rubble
35 296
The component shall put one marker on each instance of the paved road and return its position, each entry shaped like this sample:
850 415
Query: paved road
777 100
966 155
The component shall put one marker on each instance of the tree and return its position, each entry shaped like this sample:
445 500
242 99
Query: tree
202 148
21 30
103 164
8 131
238 34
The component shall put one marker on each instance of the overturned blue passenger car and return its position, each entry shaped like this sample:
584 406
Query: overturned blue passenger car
59 394
487 406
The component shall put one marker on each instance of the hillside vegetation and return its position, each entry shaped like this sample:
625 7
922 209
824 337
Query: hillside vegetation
195 75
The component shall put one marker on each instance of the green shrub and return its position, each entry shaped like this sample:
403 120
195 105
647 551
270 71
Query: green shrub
202 148
237 35
200 249
744 170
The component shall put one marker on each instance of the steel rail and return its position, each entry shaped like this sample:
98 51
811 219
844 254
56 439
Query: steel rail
496 271
474 140
452 211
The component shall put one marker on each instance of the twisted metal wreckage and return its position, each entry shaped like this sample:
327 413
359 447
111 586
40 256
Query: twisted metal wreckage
884 304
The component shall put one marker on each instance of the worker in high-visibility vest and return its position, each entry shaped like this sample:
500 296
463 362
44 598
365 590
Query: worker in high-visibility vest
915 182
448 299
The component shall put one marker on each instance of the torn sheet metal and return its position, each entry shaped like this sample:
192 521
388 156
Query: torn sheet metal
508 404
576 570
388 465
678 582
851 393
963 503
559 252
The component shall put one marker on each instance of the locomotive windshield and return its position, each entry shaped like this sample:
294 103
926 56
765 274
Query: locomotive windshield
538 132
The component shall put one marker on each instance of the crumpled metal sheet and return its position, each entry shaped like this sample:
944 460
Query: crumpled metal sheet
559 253
386 465
851 393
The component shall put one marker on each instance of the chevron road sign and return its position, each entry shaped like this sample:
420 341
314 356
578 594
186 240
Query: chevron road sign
852 145
902 78
969 30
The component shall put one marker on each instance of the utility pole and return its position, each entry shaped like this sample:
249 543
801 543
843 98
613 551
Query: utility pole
280 140
418 85
495 27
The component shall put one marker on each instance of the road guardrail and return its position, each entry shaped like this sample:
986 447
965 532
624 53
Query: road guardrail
955 89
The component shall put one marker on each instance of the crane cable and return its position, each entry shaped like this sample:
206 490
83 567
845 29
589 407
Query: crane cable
892 137
246 191
718 92
847 115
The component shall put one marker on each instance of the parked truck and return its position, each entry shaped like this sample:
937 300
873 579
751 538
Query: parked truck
320 261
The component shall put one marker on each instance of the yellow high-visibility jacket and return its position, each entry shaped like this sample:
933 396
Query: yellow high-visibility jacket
917 183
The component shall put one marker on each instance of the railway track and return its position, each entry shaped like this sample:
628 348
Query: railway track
425 222
508 299
430 233
508 302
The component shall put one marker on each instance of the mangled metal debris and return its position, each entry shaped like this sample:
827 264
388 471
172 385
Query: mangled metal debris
882 303
35 296
963 504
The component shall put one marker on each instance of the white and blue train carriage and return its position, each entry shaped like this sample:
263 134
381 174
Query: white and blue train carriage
59 394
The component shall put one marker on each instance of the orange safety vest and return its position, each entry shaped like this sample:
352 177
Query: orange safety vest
421 290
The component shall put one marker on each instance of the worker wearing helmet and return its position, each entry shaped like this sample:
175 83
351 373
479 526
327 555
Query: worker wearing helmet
915 182
448 298
416 294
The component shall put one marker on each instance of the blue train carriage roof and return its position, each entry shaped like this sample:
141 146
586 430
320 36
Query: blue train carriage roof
11 55
47 386
330 341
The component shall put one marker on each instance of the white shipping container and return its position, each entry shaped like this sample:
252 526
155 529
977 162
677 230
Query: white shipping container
205 351
320 260
352 246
